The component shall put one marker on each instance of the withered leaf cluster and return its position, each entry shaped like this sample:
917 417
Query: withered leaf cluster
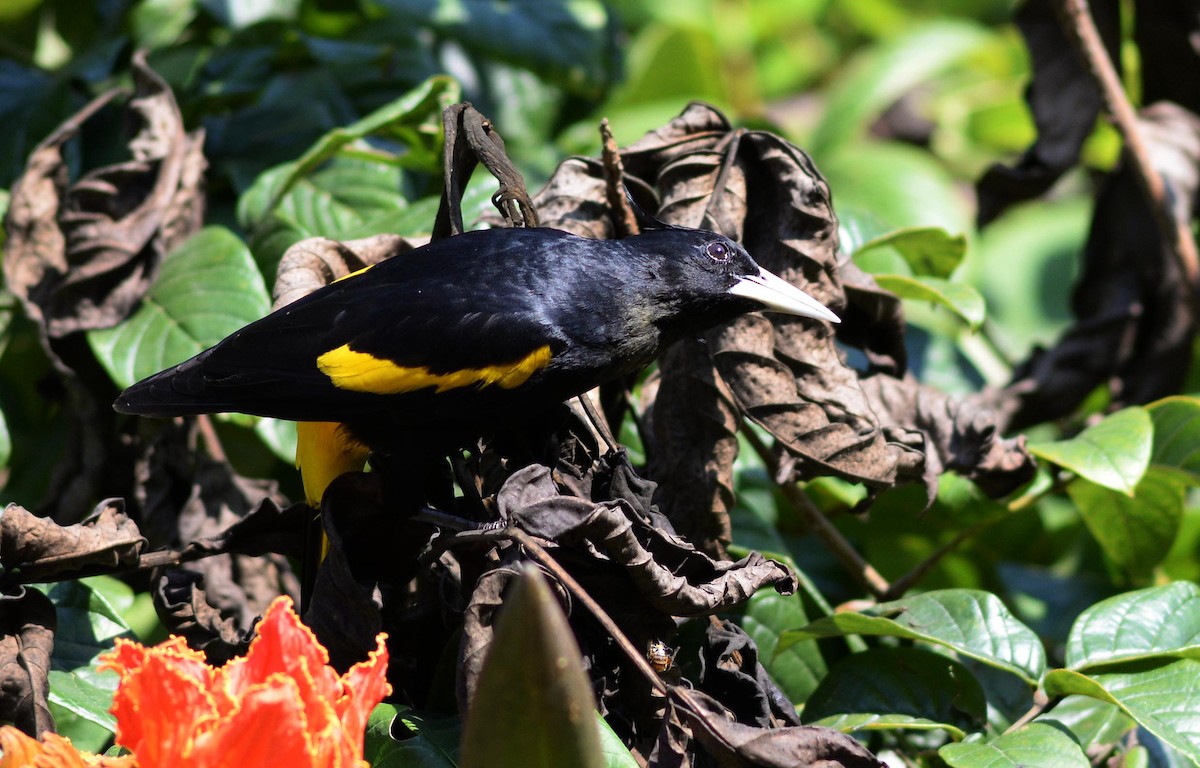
424 546
1134 306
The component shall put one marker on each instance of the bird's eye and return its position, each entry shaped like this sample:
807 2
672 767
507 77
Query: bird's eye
718 251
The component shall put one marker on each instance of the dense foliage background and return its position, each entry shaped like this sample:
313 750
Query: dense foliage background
1053 623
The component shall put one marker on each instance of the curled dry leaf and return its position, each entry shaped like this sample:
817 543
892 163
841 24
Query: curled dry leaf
317 261
81 256
1135 318
664 569
701 722
37 548
731 672
693 444
185 610
27 625
1064 99
957 435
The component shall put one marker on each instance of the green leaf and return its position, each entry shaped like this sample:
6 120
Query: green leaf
898 688
929 251
88 622
569 44
798 668
1177 433
424 741
1114 453
1161 698
85 693
208 288
973 623
877 78
900 185
1090 720
533 706
613 751
1158 622
960 298
1135 532
404 114
1036 745
88 625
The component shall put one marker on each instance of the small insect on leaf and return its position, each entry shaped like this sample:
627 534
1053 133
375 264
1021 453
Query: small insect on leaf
660 655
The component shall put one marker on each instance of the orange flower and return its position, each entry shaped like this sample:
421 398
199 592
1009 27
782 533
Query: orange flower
280 704
20 751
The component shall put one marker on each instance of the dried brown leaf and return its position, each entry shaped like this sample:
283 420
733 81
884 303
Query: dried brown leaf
317 261
81 257
27 625
699 127
36 548
696 415
1135 316
730 670
730 743
1064 99
957 435
665 570
182 605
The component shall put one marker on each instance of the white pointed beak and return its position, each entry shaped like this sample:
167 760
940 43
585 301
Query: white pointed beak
777 294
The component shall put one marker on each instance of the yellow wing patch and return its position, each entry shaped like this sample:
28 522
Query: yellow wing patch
362 372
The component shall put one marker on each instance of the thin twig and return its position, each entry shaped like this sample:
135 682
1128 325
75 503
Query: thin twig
1081 28
838 545
543 558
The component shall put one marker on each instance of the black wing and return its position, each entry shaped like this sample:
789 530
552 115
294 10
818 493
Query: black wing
461 315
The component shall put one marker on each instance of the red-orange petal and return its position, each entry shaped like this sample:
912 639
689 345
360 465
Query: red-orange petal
364 685
283 644
268 728
160 708
20 751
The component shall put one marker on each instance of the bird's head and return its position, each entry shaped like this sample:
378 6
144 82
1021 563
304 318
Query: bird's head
710 273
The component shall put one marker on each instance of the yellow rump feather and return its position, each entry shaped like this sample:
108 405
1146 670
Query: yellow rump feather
324 450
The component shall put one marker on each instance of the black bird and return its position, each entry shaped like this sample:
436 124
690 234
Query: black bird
479 327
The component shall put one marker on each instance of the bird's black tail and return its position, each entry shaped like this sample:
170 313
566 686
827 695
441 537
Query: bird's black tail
179 391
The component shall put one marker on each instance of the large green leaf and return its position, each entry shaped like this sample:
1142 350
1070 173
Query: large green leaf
1162 698
898 688
880 75
1177 434
533 706
973 623
208 288
1136 531
85 693
1113 453
1036 745
1150 623
959 298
